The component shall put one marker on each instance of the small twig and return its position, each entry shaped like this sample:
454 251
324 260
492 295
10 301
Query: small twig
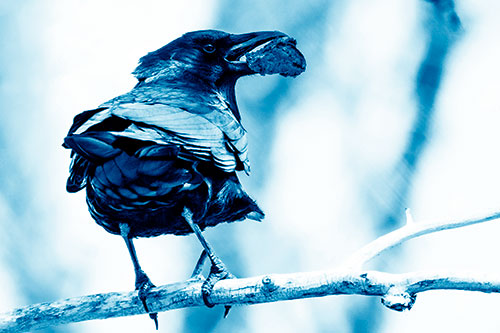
409 218
398 290
408 231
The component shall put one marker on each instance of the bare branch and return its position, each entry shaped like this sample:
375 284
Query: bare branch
398 292
410 230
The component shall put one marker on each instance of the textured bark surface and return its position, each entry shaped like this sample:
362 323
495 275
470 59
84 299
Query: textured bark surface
398 292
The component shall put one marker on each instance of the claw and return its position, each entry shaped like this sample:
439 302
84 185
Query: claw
226 310
154 316
217 272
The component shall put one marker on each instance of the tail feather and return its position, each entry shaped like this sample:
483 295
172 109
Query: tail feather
96 147
79 170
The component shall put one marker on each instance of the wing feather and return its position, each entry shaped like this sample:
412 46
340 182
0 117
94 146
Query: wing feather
215 135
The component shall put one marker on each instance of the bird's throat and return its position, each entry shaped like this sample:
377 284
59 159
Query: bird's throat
227 90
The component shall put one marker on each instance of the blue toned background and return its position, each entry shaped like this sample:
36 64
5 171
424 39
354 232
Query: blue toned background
399 107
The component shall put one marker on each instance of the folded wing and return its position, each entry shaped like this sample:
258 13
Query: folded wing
102 134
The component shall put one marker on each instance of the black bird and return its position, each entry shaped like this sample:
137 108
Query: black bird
162 158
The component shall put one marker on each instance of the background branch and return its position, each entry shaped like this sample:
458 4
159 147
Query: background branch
408 231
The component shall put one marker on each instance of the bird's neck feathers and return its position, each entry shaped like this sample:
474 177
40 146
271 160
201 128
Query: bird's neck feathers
174 76
170 70
227 91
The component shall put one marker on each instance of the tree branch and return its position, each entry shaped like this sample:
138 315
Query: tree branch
398 291
405 233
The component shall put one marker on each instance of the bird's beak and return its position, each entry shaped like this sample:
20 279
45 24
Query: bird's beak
245 43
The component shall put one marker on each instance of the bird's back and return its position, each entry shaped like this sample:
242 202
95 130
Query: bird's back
143 162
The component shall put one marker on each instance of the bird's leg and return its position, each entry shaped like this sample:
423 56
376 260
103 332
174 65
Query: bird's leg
218 271
142 282
199 264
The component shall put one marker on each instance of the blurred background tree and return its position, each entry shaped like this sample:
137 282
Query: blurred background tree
398 108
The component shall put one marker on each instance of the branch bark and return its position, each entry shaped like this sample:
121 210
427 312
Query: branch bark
398 291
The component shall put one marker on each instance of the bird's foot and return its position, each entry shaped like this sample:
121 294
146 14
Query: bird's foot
143 284
218 272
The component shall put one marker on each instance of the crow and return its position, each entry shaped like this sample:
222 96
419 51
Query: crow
162 158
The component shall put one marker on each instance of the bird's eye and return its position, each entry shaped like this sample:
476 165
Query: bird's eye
209 48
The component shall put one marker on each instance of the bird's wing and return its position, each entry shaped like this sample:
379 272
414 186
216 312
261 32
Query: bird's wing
212 136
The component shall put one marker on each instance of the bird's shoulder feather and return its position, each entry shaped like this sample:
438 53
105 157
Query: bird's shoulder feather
213 135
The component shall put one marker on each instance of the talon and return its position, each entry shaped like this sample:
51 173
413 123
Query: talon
217 272
154 316
226 310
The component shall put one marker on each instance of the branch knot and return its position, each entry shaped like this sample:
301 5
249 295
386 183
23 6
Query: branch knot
268 284
398 299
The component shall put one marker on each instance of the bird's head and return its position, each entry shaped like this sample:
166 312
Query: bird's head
210 55
203 61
